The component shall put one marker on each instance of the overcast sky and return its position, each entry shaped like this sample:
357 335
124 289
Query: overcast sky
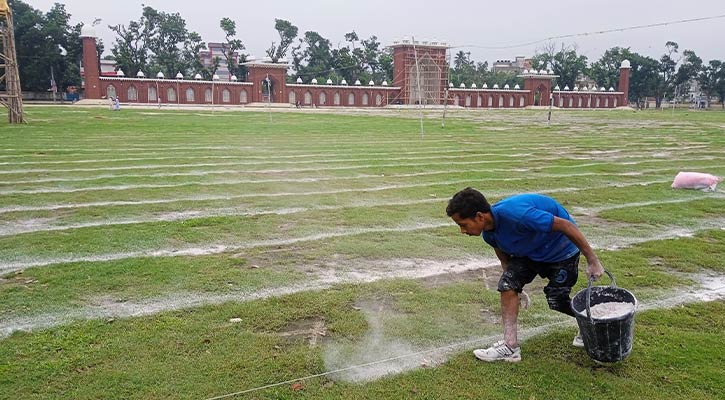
473 24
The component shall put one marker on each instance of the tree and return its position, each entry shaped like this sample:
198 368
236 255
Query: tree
644 78
287 34
666 78
315 61
565 62
131 47
687 72
231 47
45 42
605 71
712 80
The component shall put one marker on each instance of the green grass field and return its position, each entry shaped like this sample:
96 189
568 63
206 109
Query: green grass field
150 254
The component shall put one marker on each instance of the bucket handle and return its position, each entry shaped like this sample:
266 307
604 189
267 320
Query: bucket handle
589 292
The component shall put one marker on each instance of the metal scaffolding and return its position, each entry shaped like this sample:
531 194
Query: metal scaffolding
426 75
10 92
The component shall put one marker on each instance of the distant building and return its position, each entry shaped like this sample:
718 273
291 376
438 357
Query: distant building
516 66
419 76
218 50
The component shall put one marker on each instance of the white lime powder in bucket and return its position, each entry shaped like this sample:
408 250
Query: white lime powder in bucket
608 310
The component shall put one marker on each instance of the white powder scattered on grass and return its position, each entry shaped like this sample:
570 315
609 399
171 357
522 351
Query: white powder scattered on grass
613 309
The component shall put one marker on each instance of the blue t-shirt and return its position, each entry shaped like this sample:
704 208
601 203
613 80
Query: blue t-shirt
523 228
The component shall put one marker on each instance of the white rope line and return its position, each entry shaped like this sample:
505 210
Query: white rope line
337 371
433 350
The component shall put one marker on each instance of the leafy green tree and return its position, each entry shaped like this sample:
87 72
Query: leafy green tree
605 71
130 49
644 78
565 62
667 71
45 42
315 59
688 71
712 80
287 34
231 46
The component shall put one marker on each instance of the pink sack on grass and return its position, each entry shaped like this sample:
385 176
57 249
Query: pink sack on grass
695 180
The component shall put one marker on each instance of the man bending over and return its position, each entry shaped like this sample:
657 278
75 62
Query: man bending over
532 235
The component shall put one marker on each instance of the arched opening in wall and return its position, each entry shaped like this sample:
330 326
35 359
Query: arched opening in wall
537 98
111 91
132 93
171 94
378 100
336 99
580 103
268 87
207 96
243 97
597 102
571 102
456 100
365 99
500 100
522 101
292 97
189 95
351 99
490 101
606 102
615 102
308 98
561 101
226 96
479 101
511 101
152 94
323 99
468 101
425 81
589 102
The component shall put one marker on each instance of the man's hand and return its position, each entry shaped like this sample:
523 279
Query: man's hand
594 268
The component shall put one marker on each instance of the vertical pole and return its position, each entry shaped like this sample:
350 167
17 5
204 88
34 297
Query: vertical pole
445 91
551 102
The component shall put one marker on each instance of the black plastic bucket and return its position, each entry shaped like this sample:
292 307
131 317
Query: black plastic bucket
606 339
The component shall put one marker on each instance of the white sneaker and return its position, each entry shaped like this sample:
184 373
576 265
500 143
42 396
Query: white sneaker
578 341
500 351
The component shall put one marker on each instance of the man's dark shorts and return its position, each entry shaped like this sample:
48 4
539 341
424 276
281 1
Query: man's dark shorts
562 276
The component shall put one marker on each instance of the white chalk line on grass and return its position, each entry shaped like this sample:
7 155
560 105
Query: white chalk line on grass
408 269
596 210
344 167
442 353
613 243
218 248
303 180
294 158
10 229
51 207
252 163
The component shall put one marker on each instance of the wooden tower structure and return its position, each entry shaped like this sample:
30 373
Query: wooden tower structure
10 92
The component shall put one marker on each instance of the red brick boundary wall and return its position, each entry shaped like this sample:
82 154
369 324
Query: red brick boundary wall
266 82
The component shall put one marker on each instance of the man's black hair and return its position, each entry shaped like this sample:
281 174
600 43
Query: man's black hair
467 203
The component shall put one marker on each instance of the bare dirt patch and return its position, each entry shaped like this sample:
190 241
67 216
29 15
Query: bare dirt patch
312 330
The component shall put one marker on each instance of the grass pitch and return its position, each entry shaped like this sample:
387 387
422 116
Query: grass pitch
162 254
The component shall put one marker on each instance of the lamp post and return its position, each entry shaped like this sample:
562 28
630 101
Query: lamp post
213 80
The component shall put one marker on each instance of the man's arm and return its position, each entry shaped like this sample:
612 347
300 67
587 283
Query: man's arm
503 257
594 267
